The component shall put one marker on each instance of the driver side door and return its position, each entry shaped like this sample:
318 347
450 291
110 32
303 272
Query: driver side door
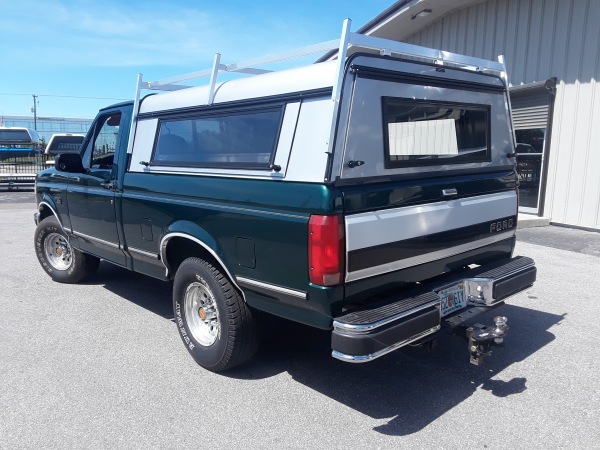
91 195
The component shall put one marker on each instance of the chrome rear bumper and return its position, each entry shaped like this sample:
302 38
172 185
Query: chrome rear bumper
372 331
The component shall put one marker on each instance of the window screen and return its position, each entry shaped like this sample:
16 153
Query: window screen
432 133
237 140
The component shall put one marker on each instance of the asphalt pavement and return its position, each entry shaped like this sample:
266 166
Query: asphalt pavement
100 365
16 196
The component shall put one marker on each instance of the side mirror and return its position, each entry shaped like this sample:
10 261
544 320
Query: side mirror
69 162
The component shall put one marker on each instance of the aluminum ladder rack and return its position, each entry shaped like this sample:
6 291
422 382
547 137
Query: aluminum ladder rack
338 49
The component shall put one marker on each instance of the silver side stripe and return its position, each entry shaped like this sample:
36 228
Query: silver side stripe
143 253
95 239
271 287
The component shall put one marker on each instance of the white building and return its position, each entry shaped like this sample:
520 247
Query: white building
552 53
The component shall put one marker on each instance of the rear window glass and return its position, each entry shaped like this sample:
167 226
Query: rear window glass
238 140
15 136
432 133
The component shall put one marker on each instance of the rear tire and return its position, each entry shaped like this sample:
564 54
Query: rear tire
56 256
216 326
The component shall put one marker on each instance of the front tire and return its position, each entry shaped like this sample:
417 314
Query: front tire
56 256
217 327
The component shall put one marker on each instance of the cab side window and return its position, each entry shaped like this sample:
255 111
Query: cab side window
105 142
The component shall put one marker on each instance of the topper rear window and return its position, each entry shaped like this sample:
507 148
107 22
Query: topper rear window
242 139
420 133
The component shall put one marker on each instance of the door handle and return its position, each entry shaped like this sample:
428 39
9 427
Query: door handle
109 185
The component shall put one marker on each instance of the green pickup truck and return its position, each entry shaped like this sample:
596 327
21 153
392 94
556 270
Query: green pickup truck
373 194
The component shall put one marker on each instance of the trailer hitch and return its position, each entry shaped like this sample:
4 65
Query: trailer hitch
482 337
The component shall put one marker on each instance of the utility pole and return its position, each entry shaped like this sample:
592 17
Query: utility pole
34 110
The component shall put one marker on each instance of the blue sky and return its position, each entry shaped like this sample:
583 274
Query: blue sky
60 49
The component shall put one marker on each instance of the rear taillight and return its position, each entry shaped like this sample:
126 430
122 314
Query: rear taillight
326 253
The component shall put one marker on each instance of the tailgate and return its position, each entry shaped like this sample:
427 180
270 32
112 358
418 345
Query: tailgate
378 242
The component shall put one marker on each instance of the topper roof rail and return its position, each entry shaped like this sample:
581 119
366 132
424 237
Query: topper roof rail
348 40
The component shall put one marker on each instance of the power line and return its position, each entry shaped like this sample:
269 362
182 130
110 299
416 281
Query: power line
66 96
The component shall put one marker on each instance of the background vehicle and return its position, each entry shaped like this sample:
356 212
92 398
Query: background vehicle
64 143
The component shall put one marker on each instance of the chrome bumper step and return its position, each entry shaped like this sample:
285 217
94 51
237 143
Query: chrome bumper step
367 334
372 331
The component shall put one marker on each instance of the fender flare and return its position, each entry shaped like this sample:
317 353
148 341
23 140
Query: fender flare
197 234
47 202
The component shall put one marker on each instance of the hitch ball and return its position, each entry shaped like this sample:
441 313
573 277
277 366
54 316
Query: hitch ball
501 324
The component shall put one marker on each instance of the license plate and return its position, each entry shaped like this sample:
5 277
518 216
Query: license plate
452 298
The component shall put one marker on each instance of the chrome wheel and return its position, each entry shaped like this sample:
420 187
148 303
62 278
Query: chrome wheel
58 251
201 313
213 321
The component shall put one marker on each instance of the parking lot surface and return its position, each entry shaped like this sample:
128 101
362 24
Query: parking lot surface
100 365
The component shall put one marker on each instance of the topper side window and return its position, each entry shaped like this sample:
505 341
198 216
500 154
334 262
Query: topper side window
243 139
